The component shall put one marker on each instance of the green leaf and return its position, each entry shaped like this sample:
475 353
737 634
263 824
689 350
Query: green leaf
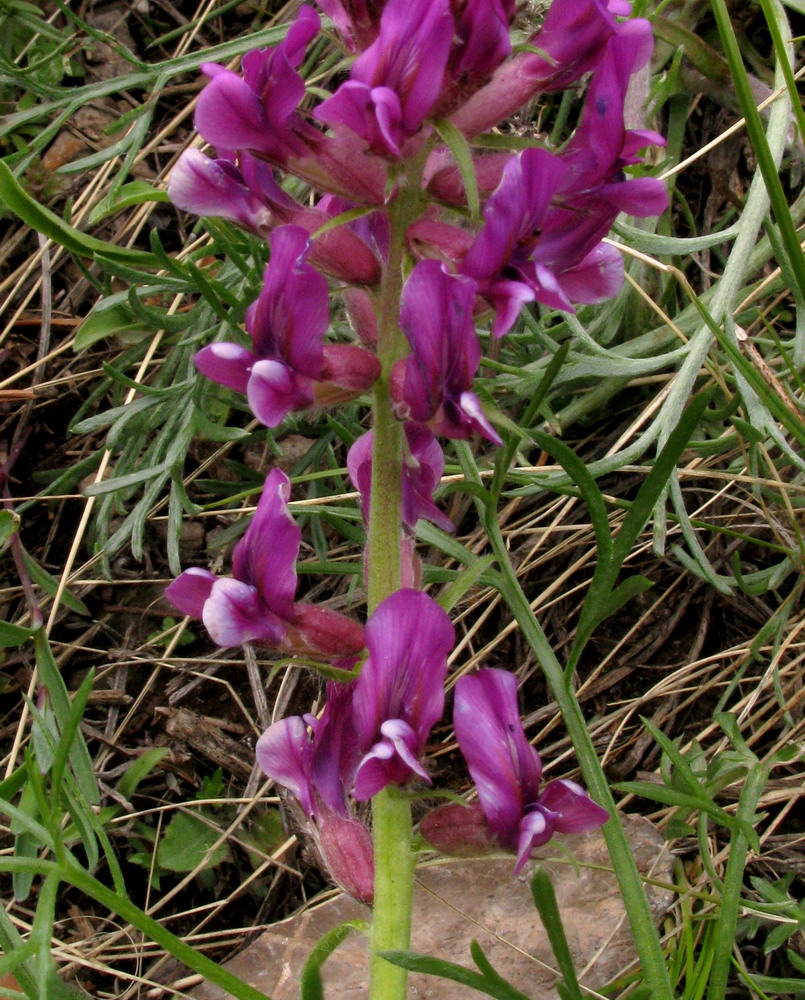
134 193
545 902
14 635
50 676
108 318
186 843
9 523
453 592
310 984
124 482
673 797
457 143
17 199
456 973
775 985
139 768
50 585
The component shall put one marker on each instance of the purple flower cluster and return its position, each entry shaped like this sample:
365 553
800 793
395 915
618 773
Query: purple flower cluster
545 214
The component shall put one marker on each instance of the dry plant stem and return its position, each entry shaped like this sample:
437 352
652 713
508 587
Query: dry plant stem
391 809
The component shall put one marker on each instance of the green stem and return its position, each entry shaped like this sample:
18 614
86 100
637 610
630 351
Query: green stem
391 809
733 880
394 891
638 911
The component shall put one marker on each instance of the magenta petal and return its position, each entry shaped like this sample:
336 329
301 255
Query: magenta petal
226 364
514 212
234 614
229 114
373 113
359 467
641 196
408 637
266 556
335 751
598 277
274 390
504 766
374 772
436 315
536 829
290 317
190 590
392 760
474 414
483 29
423 466
573 809
215 187
409 55
284 753
507 298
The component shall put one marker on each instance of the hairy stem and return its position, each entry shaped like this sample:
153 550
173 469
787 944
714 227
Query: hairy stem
391 811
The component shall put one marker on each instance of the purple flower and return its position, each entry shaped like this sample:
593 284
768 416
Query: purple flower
481 44
399 694
547 218
245 192
423 465
395 83
259 110
436 317
257 603
572 38
316 760
507 771
289 368
595 188
216 187
258 113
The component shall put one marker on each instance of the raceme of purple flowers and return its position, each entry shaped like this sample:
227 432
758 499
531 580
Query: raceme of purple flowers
419 69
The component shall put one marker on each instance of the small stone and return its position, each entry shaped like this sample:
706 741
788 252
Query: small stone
458 900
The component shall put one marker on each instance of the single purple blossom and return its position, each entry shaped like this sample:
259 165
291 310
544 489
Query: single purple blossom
423 465
244 191
256 604
204 186
257 113
507 771
289 367
481 44
570 43
436 317
595 188
395 83
316 760
259 110
399 694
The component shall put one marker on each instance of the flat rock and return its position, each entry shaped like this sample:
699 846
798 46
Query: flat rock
458 900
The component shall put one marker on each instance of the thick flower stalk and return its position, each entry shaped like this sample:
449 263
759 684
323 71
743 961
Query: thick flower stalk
389 229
